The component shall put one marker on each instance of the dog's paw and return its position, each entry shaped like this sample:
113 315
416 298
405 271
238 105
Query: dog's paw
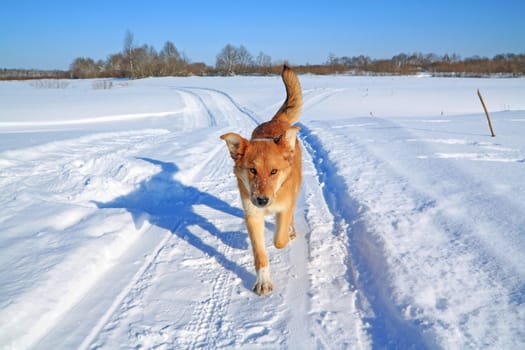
281 242
291 232
263 284
262 288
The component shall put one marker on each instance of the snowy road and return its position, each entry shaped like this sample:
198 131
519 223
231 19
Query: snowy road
125 229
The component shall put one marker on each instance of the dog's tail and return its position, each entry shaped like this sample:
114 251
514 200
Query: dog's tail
291 108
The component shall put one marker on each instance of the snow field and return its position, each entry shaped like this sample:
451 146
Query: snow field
121 216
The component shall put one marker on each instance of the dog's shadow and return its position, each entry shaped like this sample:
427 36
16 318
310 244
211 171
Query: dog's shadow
165 202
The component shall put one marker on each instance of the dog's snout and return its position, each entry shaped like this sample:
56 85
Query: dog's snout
262 201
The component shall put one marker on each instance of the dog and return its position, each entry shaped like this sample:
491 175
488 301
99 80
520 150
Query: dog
268 171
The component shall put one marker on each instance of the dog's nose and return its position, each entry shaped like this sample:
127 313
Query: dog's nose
262 201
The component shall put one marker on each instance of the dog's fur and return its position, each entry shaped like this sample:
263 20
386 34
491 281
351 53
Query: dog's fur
268 171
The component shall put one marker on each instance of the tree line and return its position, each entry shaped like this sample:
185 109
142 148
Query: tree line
446 65
145 61
142 61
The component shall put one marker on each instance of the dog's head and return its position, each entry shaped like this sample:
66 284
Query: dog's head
263 164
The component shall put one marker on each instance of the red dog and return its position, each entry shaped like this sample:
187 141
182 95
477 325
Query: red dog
268 171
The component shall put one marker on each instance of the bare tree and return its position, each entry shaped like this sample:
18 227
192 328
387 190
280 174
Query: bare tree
128 50
263 63
264 60
227 60
333 60
170 50
245 59
172 61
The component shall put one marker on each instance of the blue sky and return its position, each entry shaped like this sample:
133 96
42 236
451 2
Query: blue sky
51 34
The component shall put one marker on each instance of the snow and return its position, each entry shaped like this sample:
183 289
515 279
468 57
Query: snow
121 224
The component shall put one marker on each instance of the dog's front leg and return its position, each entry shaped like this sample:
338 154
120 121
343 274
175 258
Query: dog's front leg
255 225
285 229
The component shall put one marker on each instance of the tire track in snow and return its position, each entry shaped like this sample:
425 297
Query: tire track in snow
225 104
458 260
364 258
207 324
137 279
333 306
316 96
192 105
69 160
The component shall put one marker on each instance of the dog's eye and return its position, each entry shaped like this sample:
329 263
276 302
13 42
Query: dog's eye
253 171
273 172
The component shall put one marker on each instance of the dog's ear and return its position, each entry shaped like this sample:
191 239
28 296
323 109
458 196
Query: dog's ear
290 137
236 144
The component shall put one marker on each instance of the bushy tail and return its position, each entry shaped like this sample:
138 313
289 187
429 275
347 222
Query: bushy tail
291 108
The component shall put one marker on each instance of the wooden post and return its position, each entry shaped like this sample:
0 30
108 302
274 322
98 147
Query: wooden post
487 113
